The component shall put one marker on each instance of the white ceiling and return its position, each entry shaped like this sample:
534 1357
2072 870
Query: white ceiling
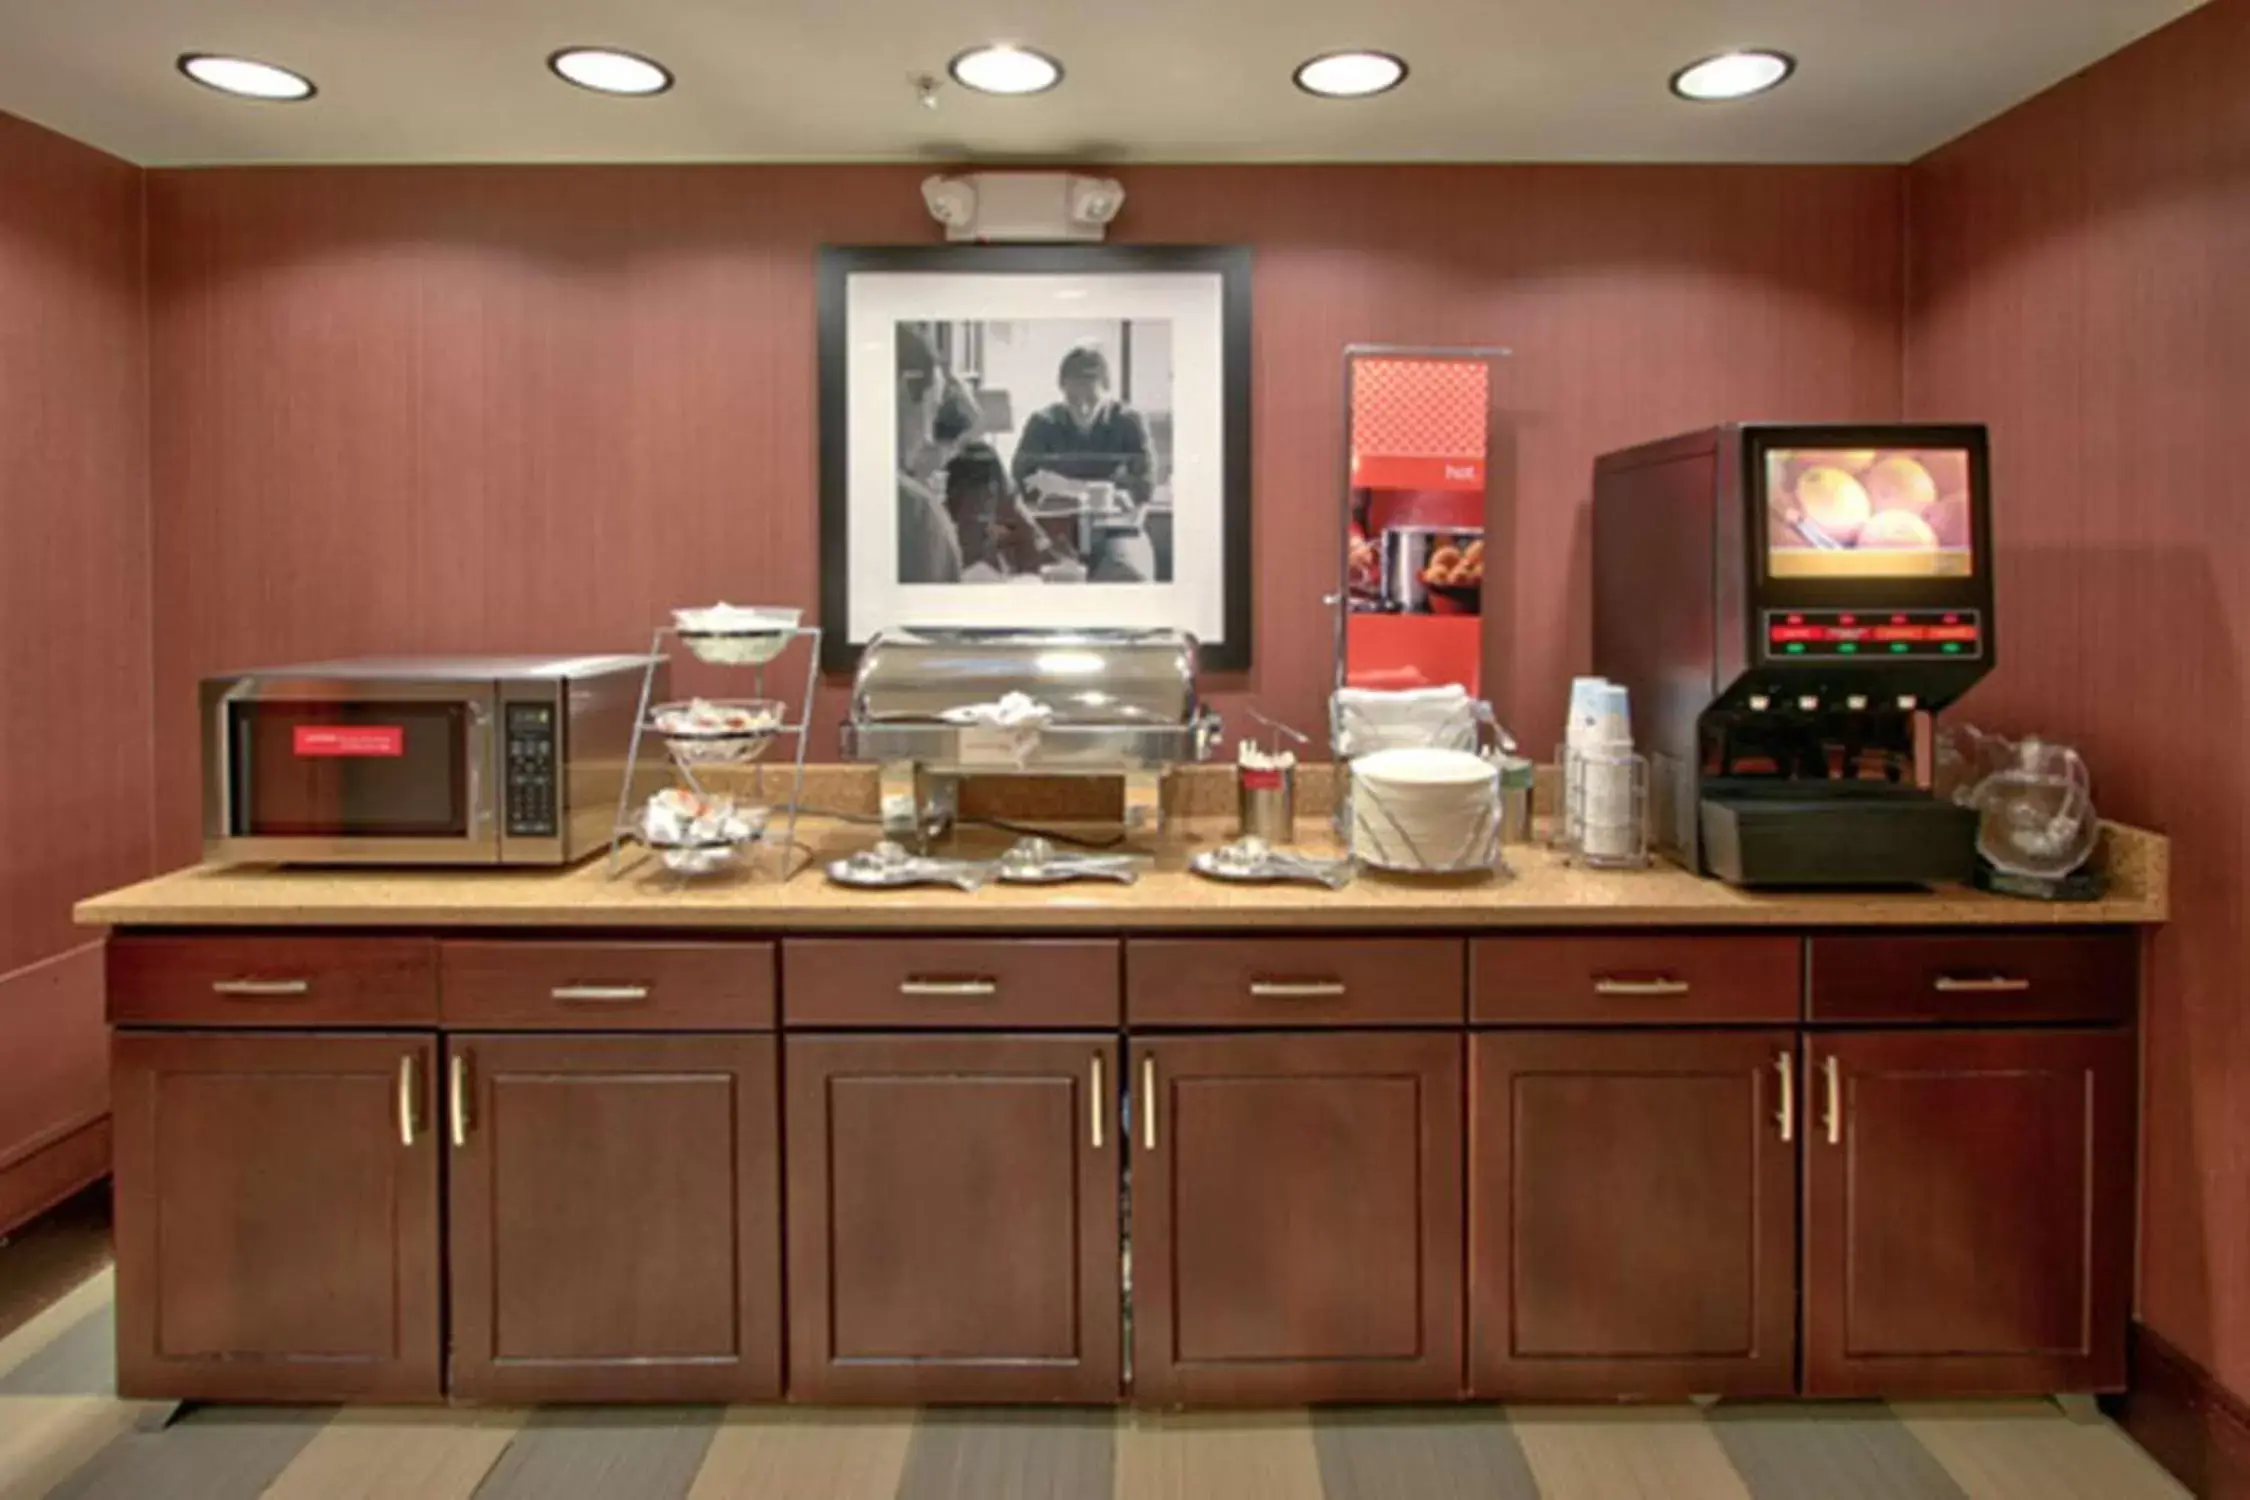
1151 80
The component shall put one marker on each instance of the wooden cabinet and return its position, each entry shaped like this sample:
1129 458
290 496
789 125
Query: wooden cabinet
277 1217
1586 1165
614 1218
1633 1214
953 1218
1297 1218
1968 1212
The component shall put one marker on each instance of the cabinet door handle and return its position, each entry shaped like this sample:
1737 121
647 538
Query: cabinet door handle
1148 1104
1833 1075
1094 1104
458 1098
262 989
1606 985
598 994
1993 984
949 988
409 1099
1786 1116
1297 989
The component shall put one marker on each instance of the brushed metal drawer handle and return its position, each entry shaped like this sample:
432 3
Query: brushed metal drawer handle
1996 984
1604 985
262 989
599 994
1297 989
458 1099
409 1094
1148 1103
949 988
1096 1107
1786 1115
1833 1122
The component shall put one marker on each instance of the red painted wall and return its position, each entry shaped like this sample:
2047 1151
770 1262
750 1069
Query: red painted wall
2081 278
74 616
491 408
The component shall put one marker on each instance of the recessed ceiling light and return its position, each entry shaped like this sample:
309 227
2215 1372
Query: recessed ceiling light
245 78
606 70
1733 75
1005 69
1351 75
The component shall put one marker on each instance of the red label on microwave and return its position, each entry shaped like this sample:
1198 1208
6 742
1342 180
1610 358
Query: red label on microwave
331 741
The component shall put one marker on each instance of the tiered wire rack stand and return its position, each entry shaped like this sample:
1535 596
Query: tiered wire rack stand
721 764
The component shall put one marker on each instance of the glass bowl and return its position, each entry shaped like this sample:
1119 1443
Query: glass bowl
717 732
731 635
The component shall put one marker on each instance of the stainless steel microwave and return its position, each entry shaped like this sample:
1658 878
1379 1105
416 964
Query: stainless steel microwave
502 760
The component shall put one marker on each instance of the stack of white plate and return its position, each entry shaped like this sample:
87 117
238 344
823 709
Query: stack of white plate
1424 810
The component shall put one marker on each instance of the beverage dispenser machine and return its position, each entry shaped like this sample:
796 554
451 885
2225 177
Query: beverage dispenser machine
1791 607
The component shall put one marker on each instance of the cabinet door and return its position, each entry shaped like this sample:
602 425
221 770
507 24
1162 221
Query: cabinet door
614 1205
1968 1212
1633 1214
1297 1218
277 1217
953 1218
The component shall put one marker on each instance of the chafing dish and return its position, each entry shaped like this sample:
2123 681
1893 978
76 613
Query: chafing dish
1119 703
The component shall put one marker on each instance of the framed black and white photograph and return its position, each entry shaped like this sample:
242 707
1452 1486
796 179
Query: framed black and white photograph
1036 437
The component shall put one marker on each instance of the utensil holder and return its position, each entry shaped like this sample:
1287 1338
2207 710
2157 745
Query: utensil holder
1266 803
1518 787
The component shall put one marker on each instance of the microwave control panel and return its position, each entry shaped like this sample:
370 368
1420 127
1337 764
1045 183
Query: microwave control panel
531 770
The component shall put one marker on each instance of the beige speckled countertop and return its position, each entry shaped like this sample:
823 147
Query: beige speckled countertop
1541 890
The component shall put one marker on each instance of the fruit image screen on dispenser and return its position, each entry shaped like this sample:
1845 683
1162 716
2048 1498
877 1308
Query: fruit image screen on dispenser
1791 607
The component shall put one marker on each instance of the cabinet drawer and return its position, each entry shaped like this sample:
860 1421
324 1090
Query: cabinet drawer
1294 982
1656 980
272 981
608 986
954 983
1973 977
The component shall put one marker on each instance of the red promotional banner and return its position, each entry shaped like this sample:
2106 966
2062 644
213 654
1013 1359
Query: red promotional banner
1381 472
343 741
1415 570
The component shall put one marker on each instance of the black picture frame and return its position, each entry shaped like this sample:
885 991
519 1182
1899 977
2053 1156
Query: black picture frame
839 264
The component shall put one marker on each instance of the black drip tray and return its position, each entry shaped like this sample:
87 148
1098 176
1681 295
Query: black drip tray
1776 838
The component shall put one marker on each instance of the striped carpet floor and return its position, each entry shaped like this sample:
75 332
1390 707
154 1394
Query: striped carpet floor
63 1435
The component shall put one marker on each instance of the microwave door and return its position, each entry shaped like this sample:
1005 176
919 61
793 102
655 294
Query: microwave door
358 771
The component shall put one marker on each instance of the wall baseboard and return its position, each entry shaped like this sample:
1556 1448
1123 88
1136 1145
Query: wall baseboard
39 1181
2191 1424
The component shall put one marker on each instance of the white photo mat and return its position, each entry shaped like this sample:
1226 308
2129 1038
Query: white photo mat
1194 304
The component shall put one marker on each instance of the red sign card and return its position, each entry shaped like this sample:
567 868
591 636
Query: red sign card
1391 472
333 741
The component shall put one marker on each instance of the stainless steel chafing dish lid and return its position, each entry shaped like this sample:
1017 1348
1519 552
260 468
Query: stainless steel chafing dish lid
1087 678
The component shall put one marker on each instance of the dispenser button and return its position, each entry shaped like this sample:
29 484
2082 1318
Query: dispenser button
1907 703
1857 703
1759 703
1808 703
